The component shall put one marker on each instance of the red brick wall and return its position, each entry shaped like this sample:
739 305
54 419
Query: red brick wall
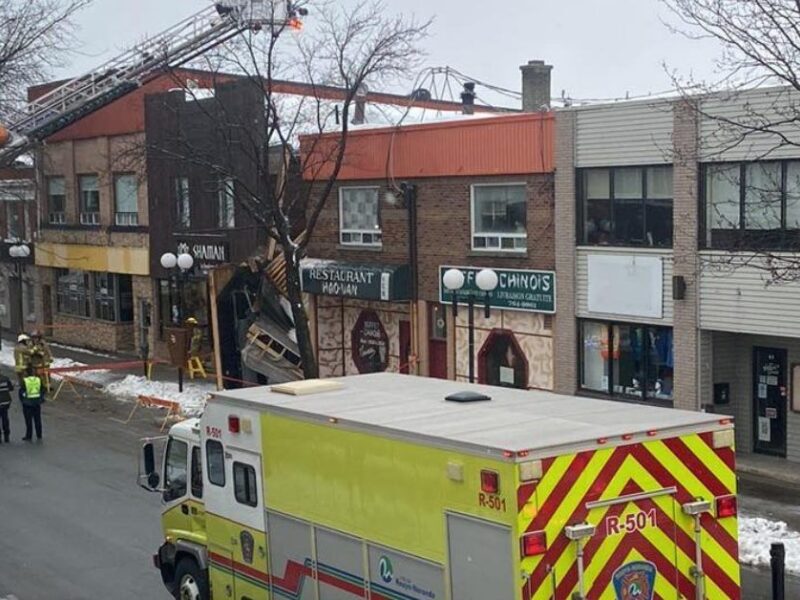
443 229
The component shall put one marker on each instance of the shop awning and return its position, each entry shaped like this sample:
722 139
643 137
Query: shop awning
366 282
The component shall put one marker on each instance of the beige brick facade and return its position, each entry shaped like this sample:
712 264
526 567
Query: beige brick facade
565 342
686 344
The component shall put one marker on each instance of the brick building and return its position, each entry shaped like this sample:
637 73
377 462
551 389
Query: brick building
196 169
92 254
18 225
478 193
669 235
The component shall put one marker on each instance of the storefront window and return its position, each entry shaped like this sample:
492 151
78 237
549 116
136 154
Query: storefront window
113 297
72 292
627 361
595 361
193 303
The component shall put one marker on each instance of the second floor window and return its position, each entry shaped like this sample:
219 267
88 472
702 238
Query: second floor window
359 217
56 200
226 199
756 203
182 208
630 206
499 218
89 191
126 191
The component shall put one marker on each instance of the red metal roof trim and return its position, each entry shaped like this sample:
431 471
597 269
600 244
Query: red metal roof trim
501 145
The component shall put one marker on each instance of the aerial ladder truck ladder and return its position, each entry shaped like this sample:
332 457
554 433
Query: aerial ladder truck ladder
145 61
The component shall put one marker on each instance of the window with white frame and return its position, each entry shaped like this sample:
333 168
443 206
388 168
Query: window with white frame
359 217
499 217
126 191
56 200
226 198
89 190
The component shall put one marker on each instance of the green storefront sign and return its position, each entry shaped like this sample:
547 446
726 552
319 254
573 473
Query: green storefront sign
366 282
533 291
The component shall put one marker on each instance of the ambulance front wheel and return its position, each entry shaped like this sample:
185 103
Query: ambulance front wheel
192 581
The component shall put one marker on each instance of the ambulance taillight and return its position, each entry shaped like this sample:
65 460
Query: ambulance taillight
534 544
234 426
490 482
726 507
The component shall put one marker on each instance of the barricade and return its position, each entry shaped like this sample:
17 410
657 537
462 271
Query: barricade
174 409
67 379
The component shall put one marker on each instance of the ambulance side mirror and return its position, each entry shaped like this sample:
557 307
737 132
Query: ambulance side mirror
152 478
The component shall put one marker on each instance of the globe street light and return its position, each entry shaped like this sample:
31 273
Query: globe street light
487 281
183 263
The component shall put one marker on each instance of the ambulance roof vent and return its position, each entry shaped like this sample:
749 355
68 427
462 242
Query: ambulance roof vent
467 397
307 387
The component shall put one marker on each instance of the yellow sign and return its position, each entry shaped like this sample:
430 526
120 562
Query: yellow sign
119 259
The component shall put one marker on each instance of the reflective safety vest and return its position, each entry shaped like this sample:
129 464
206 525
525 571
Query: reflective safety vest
33 388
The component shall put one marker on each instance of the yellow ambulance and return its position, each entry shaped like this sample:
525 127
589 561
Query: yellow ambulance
393 487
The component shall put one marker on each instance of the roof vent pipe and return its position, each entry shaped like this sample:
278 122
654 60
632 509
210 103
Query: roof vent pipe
468 98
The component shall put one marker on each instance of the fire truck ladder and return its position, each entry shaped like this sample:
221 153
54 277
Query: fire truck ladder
171 48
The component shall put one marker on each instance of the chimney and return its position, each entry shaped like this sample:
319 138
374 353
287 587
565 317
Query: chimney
535 86
360 107
468 99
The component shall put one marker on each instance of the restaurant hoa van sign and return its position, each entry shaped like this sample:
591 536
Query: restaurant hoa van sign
532 291
367 282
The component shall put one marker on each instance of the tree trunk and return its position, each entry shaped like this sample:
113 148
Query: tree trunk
303 331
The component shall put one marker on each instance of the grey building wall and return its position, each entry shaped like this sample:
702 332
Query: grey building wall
631 133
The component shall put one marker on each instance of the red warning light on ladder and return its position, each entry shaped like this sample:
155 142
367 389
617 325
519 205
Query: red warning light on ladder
234 425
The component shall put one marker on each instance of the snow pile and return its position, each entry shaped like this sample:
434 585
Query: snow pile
192 399
757 534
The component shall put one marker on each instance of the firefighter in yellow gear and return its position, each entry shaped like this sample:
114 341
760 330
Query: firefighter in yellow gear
22 356
196 343
41 357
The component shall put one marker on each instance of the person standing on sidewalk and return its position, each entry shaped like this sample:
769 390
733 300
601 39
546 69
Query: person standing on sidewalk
6 387
32 396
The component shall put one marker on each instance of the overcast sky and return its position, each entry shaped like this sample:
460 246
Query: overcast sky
598 49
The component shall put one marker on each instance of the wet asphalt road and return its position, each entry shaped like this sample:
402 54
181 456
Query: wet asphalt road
73 523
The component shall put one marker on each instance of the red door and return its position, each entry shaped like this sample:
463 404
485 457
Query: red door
405 347
437 341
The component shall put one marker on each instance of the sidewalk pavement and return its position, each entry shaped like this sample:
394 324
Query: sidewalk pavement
758 471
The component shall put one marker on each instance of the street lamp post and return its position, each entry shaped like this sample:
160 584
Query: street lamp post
487 281
20 252
183 263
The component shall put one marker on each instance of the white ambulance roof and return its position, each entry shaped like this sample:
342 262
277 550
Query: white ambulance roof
514 420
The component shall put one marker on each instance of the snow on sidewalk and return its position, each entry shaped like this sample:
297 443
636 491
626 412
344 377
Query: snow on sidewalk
192 399
756 534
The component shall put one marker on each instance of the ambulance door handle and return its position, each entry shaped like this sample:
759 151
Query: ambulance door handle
184 509
261 552
234 541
